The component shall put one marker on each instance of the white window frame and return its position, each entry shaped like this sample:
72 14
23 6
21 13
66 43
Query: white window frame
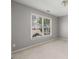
43 17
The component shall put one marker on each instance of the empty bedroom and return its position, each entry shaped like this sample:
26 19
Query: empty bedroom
39 29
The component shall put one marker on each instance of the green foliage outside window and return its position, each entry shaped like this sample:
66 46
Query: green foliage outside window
46 21
40 20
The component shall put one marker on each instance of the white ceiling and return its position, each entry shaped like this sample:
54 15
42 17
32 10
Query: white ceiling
55 6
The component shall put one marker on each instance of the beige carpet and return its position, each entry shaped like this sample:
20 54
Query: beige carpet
52 50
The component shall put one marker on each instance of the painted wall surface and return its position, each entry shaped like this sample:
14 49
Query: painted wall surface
21 26
63 27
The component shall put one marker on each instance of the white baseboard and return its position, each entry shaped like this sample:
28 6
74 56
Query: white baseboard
38 44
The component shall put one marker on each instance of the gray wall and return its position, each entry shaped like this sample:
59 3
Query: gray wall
21 30
63 27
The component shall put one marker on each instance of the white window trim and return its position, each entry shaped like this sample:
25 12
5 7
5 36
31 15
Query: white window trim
42 25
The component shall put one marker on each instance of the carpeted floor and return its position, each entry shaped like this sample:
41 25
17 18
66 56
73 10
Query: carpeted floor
56 49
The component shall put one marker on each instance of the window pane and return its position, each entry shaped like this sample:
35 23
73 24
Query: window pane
36 26
46 26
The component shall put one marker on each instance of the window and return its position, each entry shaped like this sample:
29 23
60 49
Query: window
41 26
